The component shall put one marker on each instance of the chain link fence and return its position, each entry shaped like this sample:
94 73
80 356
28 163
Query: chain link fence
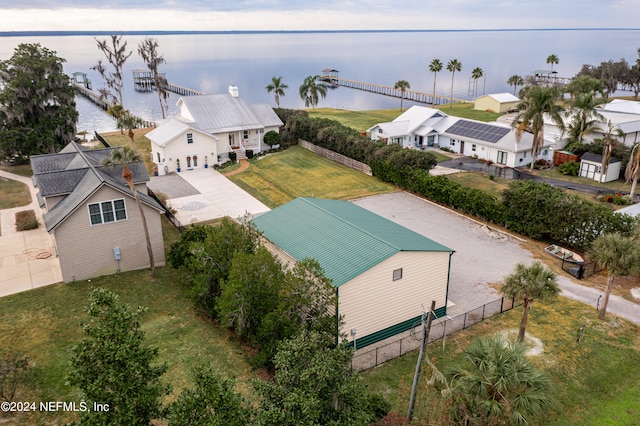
441 327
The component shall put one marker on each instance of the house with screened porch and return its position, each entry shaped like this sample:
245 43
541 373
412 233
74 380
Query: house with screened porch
208 128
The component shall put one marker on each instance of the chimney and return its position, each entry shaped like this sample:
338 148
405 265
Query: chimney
233 91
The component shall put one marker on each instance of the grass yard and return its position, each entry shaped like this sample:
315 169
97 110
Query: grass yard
481 181
13 194
22 170
45 323
362 120
142 145
593 382
279 178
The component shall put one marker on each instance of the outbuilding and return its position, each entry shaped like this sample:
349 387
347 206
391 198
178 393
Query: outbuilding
496 102
385 275
591 167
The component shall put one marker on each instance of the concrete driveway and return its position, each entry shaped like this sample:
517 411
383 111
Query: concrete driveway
204 194
27 259
483 256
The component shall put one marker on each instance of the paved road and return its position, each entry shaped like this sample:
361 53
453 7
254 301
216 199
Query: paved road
473 165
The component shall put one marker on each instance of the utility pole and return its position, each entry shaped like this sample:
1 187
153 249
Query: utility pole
425 337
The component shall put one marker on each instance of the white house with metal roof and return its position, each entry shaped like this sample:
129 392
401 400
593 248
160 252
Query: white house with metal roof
92 215
208 128
385 275
414 128
420 127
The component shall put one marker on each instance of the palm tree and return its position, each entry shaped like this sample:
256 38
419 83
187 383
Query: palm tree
435 67
619 254
496 384
277 87
311 90
515 81
123 157
584 117
529 283
128 121
537 102
476 74
609 140
453 66
552 59
402 85
632 172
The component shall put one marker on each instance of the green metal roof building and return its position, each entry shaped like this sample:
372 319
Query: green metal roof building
384 273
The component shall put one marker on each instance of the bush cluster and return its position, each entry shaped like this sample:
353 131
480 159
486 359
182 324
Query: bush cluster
536 210
570 168
26 220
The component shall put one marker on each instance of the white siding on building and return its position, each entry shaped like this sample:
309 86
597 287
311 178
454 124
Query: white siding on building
373 301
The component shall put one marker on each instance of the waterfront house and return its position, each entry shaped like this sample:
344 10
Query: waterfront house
91 213
208 128
385 275
421 127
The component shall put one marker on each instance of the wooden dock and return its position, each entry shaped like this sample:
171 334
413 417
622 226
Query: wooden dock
330 77
143 81
103 103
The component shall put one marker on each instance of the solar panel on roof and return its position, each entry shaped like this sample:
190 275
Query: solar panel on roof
480 131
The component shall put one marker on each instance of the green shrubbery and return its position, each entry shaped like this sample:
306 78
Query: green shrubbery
533 209
570 168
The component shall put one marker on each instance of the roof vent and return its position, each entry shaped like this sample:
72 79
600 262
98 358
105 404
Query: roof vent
233 91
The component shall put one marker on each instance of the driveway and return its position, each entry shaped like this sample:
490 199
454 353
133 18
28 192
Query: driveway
204 194
27 259
473 165
482 257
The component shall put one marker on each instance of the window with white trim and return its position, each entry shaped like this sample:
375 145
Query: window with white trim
473 147
107 211
189 137
245 134
397 274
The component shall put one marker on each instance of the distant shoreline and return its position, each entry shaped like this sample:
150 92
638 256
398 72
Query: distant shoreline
191 32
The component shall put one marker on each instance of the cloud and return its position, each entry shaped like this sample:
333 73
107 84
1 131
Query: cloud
313 15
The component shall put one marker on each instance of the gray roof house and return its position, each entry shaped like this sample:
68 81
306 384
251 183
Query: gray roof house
92 215
208 128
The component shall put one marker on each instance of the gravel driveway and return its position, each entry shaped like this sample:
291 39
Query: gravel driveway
482 256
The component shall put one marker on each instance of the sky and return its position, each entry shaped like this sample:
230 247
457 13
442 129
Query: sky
224 15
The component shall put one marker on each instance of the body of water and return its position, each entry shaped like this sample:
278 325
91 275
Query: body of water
212 62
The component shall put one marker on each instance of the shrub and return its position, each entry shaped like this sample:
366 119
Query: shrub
26 220
249 153
272 138
570 168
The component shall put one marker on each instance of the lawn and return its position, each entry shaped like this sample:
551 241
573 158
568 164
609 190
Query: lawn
481 181
593 382
279 178
141 144
13 194
45 323
363 120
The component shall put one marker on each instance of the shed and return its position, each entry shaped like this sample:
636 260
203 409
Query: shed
496 102
384 274
591 167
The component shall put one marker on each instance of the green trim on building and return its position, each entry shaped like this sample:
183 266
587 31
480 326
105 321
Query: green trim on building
365 341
